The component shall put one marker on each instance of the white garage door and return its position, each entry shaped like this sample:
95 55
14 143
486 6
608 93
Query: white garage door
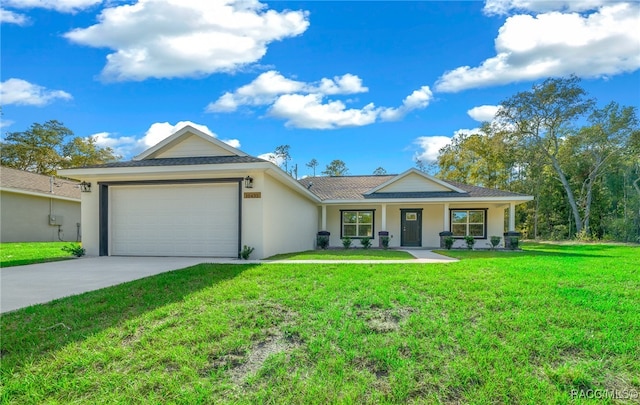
174 220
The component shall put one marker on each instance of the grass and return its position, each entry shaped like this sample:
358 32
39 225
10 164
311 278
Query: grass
345 254
496 327
21 253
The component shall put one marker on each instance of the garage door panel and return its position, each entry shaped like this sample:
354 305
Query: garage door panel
175 220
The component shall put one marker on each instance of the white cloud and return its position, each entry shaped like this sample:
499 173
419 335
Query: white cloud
63 6
419 99
186 38
430 147
10 17
309 111
556 44
128 146
5 123
266 88
484 113
21 92
271 157
504 7
304 104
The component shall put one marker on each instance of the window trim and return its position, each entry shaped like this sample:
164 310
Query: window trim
484 228
373 223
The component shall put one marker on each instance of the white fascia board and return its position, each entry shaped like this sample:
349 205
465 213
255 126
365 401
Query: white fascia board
100 172
37 194
518 200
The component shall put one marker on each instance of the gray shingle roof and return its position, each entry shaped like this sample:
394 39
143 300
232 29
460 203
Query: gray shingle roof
355 187
182 161
38 183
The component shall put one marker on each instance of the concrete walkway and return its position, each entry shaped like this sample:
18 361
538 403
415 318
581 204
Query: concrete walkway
421 256
23 286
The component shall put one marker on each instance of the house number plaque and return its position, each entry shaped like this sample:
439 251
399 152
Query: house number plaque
255 194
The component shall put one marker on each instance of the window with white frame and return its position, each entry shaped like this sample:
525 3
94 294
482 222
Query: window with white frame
469 222
356 224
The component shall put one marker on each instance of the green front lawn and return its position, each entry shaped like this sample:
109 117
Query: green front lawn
21 253
496 327
345 254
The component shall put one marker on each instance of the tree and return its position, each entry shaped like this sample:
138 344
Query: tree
336 168
313 163
42 149
379 171
282 153
85 152
36 149
542 118
597 146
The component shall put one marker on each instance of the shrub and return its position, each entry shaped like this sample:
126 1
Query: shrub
448 242
323 242
495 241
366 243
470 241
514 241
76 250
385 241
246 252
346 242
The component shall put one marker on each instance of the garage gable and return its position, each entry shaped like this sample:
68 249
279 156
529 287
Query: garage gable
189 142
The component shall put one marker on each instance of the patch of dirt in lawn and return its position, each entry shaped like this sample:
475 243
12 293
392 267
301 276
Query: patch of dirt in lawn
277 339
384 320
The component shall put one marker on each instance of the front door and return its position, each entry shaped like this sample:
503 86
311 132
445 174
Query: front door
411 222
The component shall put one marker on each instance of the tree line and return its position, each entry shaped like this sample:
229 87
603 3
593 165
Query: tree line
581 162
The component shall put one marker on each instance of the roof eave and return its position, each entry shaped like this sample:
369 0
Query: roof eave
517 199
39 194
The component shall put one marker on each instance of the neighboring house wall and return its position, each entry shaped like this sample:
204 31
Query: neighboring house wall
289 219
25 218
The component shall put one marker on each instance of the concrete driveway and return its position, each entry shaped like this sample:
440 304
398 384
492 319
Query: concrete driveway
22 286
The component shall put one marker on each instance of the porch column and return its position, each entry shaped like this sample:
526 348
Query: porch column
512 217
446 217
324 217
383 226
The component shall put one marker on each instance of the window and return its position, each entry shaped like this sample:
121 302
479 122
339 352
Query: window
469 222
357 224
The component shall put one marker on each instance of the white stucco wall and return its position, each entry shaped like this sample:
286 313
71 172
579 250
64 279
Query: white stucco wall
25 218
90 220
253 217
290 219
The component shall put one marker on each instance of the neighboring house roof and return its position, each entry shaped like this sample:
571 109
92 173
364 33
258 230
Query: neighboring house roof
181 161
32 183
359 188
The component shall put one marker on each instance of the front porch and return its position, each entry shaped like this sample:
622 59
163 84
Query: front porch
416 225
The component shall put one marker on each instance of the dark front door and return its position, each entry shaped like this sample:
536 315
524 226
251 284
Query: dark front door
411 222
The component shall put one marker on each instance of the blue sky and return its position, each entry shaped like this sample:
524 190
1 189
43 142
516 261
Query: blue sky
370 83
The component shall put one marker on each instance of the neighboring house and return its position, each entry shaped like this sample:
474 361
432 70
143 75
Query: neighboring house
193 195
38 208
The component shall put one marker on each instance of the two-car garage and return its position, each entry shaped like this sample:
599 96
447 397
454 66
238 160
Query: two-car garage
200 219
